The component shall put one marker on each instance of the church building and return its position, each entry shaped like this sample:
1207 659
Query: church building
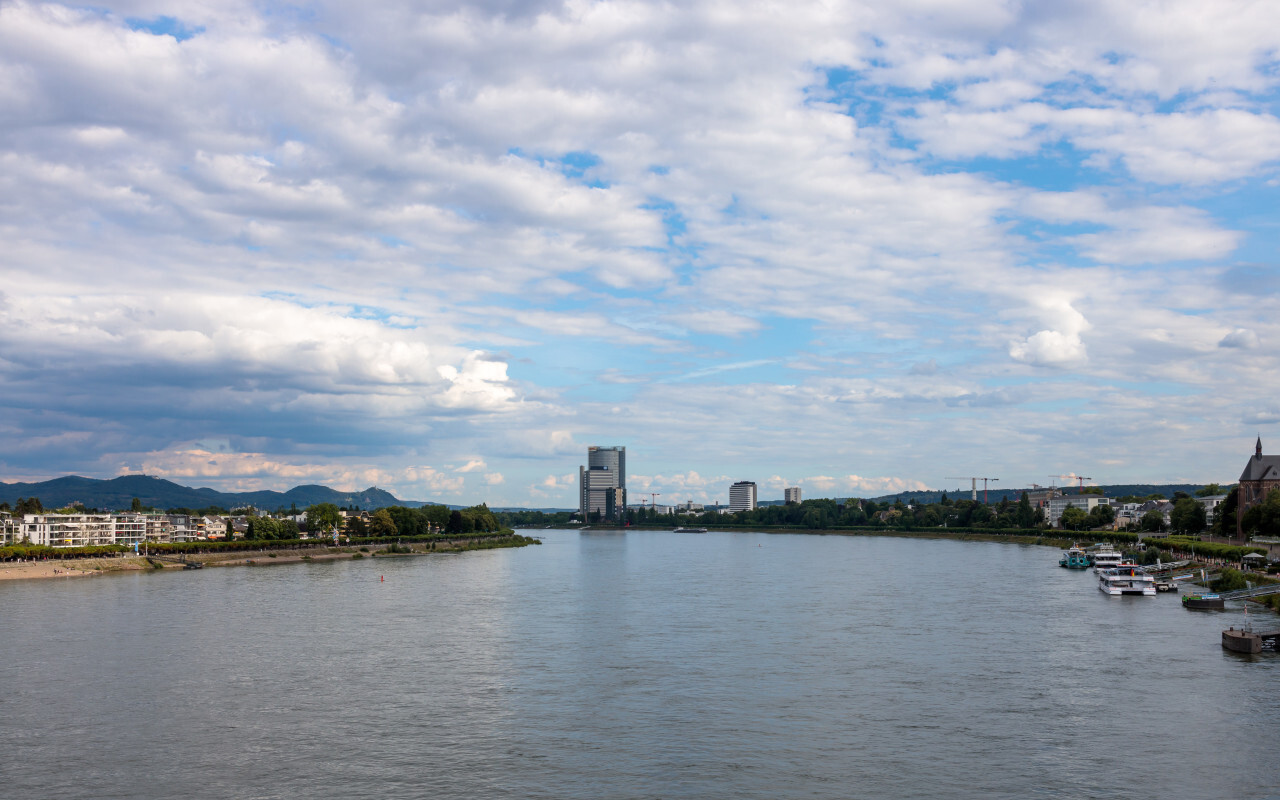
1260 476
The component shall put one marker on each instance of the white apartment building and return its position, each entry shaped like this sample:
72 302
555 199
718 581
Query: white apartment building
10 529
1085 502
85 530
182 528
742 496
791 495
70 530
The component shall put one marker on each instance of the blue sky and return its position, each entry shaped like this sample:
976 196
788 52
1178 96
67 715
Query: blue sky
444 247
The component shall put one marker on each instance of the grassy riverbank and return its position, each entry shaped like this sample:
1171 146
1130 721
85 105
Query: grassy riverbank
241 553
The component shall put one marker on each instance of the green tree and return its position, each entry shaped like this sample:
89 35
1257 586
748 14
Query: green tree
437 515
288 529
381 524
1092 490
323 517
1188 516
1209 490
1026 515
29 505
455 520
1263 519
136 505
1152 521
1224 516
264 529
1073 518
1099 516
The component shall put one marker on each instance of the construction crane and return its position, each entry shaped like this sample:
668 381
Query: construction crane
974 485
1079 478
653 501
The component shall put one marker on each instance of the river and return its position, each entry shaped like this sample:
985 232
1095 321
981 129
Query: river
631 665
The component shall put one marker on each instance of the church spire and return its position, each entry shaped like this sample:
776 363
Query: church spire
1257 451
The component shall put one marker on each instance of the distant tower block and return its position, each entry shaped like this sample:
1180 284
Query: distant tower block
792 495
742 496
602 483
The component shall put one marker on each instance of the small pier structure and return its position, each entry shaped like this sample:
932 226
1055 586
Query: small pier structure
1247 640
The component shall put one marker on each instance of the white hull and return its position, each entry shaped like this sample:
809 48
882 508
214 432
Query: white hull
1126 581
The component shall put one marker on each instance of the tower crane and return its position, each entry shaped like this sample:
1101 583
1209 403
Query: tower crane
974 484
1080 478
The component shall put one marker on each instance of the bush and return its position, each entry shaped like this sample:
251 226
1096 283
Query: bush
1230 580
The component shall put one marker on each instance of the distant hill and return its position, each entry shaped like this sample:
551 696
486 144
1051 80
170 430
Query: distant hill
118 493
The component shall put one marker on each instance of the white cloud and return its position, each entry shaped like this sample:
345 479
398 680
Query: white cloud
1049 349
481 236
1240 338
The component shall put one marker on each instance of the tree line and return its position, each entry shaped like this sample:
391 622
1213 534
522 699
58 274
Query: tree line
1187 517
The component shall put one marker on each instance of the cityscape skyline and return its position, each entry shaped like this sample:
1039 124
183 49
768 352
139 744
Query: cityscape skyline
850 248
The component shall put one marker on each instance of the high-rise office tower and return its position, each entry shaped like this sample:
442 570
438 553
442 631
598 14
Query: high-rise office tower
602 483
742 496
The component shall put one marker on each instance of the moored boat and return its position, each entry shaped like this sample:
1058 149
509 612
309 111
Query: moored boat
1106 559
1203 601
1126 579
1075 558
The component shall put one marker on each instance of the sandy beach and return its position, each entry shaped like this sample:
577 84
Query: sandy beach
79 568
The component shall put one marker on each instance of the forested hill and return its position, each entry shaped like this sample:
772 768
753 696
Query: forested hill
118 493
996 495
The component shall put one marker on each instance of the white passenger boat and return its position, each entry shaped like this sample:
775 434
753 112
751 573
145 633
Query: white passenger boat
1126 579
1106 559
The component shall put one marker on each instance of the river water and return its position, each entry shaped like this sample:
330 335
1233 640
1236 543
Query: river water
636 665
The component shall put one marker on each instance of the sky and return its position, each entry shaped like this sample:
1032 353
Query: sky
443 247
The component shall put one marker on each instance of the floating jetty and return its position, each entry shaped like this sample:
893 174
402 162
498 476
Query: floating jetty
1246 640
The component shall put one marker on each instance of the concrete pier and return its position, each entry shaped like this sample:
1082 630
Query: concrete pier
1240 640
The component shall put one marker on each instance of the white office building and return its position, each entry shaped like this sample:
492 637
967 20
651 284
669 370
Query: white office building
791 495
1084 502
602 483
742 496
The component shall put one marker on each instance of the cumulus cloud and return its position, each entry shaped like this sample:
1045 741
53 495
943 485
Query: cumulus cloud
1049 349
1242 338
481 236
241 471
